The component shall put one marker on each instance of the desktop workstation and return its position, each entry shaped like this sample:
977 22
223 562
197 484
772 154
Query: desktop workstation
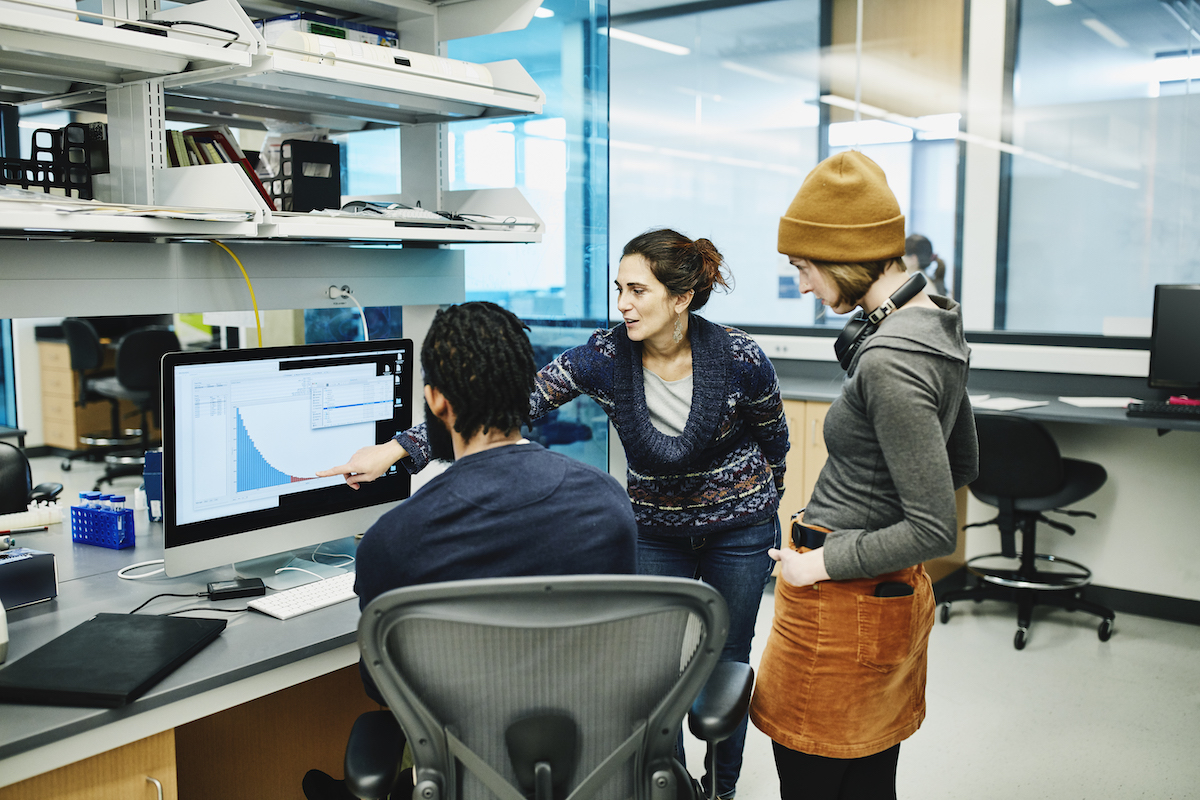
262 703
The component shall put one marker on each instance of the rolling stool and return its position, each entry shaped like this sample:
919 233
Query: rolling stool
1022 473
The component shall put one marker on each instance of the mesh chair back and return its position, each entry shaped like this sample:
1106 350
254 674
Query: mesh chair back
83 344
1018 458
139 358
622 656
16 480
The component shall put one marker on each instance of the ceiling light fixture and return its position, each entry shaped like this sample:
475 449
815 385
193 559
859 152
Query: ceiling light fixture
645 41
1107 33
761 74
543 13
1060 2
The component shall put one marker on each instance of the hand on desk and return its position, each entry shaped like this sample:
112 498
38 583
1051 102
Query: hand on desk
368 463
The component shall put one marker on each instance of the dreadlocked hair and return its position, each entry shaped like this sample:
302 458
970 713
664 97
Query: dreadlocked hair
478 355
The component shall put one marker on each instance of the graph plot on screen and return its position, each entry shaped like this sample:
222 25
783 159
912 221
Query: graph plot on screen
254 471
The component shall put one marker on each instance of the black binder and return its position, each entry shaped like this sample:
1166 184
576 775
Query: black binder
107 661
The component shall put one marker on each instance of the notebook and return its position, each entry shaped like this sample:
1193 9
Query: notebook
107 661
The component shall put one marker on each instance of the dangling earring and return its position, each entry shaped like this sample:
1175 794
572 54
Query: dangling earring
677 336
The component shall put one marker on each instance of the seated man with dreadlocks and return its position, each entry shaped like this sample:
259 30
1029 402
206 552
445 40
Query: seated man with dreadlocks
475 520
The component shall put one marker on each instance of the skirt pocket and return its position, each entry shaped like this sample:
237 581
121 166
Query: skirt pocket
885 631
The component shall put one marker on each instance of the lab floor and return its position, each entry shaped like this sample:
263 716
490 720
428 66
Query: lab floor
1069 717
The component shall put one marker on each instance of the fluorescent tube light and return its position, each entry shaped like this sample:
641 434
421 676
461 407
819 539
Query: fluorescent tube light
761 74
868 131
543 13
645 41
1060 2
1111 36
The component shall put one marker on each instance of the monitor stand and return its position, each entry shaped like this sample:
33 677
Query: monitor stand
298 567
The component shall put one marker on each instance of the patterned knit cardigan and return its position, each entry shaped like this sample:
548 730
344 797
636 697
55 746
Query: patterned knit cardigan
724 471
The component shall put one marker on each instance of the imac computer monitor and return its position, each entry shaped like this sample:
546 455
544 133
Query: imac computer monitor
1175 338
245 431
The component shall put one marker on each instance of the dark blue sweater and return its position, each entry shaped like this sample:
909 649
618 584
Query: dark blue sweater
506 512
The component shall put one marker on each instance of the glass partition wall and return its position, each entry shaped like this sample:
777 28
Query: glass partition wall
719 110
1105 178
559 162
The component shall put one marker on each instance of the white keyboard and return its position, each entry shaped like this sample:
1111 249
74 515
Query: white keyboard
309 597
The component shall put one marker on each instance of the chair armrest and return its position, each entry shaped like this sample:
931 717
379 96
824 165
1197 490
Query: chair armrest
373 755
723 701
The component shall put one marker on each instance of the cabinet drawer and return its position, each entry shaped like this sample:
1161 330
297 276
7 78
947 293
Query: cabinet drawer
58 408
59 382
53 354
60 434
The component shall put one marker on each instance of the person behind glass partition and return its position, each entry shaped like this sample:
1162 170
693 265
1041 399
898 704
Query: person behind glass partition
918 255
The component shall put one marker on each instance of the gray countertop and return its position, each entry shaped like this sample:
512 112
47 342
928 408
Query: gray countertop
251 644
821 385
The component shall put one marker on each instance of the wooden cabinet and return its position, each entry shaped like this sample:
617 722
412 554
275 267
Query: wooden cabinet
125 773
63 422
806 431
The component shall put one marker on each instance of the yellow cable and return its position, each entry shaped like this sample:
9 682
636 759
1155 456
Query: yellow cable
257 321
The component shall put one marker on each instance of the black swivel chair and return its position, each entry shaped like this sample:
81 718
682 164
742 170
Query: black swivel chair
1022 473
87 360
138 379
544 688
16 482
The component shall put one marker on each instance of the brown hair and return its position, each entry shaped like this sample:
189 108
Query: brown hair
854 280
680 264
920 246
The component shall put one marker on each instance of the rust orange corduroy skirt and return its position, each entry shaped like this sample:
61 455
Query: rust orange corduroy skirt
843 672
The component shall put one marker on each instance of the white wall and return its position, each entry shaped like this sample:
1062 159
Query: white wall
1146 532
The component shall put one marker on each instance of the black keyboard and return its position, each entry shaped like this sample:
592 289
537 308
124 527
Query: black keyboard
1163 410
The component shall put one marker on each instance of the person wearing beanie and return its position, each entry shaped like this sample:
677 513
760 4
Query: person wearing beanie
698 410
842 679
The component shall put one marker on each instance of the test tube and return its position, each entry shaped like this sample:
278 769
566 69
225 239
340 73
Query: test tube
93 499
117 502
102 502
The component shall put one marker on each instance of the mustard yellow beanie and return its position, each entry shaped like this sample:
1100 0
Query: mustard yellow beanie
844 212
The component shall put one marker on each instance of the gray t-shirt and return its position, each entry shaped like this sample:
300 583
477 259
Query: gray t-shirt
669 402
901 440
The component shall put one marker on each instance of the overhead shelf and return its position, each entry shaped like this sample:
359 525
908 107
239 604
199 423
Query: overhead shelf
44 54
360 92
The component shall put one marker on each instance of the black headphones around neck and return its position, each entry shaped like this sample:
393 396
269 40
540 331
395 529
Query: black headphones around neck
860 327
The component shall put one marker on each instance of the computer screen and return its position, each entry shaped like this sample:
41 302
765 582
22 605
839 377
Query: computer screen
1175 337
245 431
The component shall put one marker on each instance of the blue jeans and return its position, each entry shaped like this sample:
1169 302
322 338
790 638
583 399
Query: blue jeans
736 564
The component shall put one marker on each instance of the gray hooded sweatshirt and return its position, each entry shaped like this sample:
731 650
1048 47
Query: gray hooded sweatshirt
901 440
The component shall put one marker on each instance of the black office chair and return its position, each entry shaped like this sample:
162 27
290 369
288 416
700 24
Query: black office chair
138 379
16 482
544 687
87 362
1022 473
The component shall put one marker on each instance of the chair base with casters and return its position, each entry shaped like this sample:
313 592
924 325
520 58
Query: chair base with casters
1025 584
100 445
122 464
